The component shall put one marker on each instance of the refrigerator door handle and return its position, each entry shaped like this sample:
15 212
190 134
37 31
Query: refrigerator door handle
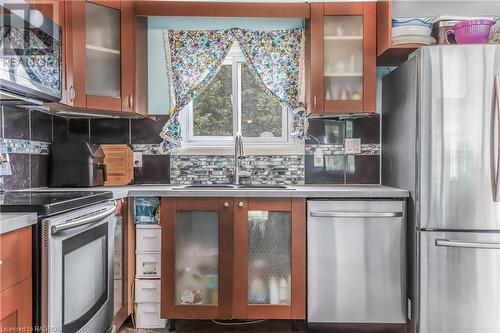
495 171
469 245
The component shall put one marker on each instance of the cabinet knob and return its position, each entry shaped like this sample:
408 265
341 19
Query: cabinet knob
315 101
240 204
130 100
226 204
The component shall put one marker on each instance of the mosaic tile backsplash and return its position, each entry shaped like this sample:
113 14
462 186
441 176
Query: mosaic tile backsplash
255 169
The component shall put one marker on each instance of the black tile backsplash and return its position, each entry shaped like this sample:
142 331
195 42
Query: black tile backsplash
60 129
109 131
16 123
79 129
20 178
338 167
331 173
363 169
145 131
39 170
41 126
155 170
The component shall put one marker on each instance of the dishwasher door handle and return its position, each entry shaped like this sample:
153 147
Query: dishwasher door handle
356 214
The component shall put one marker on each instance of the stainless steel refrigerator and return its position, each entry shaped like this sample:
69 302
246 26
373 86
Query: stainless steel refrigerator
440 140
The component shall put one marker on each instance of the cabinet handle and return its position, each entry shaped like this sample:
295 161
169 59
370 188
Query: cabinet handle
130 101
226 204
315 102
72 94
240 204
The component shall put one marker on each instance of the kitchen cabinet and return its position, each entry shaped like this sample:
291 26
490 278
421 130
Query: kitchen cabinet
15 280
100 55
221 255
389 54
342 58
269 258
124 263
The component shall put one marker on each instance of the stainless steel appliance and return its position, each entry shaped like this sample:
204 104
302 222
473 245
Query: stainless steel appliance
77 269
440 140
73 245
30 55
356 261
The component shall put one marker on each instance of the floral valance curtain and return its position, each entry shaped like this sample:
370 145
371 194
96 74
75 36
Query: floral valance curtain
195 56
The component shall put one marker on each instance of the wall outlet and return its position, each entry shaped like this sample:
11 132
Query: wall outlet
352 146
5 169
137 159
318 157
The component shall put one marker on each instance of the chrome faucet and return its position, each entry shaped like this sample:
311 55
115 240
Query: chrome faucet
239 154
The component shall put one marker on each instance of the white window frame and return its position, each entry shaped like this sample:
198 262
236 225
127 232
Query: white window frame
224 145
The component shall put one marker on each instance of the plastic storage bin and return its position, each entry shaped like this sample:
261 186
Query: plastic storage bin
147 315
148 238
147 265
147 291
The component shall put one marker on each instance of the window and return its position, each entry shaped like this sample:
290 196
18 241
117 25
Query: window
236 101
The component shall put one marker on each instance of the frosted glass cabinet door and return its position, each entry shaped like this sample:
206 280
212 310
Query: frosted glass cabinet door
196 257
343 57
269 269
102 46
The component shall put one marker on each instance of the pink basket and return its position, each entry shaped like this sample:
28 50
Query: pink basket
470 32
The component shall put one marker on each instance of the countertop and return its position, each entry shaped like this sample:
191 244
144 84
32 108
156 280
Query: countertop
13 221
300 191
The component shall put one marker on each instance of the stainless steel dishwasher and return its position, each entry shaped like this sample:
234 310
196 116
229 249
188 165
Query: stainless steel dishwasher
356 261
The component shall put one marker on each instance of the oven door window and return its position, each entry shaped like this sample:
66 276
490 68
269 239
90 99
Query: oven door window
85 279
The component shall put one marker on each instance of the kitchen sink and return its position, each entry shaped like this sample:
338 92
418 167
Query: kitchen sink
231 187
264 186
205 187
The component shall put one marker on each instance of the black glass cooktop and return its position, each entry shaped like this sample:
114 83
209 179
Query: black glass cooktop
50 202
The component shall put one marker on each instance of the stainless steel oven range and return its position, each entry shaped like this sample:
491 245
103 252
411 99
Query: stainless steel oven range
73 245
77 269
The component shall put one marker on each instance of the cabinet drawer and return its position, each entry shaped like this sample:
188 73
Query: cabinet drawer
147 291
148 238
15 257
147 315
148 265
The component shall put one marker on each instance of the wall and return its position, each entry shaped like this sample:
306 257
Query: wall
141 134
158 87
27 136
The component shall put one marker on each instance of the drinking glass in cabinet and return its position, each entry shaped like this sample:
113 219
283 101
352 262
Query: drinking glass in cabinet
196 257
269 239
343 57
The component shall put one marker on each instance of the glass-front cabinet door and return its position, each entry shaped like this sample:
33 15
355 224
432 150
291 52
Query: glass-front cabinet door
343 44
269 265
100 67
196 234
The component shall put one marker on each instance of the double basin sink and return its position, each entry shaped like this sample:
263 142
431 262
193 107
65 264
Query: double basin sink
233 187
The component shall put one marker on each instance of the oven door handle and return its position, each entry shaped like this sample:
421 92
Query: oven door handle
87 220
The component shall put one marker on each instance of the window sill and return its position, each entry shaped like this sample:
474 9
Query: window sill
250 149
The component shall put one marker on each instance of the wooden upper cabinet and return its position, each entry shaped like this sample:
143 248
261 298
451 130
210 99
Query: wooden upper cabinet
342 65
100 54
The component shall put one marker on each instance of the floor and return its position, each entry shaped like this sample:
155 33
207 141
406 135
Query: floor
206 326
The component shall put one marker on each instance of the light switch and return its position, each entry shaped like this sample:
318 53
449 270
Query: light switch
137 159
352 146
318 157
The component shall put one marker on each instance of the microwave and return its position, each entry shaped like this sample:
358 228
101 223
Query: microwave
30 55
